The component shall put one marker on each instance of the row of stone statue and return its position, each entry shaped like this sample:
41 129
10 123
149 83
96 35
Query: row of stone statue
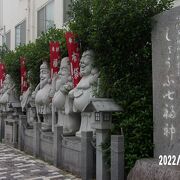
55 101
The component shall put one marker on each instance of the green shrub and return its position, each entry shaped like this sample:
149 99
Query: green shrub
3 50
34 53
119 31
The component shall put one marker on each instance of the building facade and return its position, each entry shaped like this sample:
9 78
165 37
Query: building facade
22 21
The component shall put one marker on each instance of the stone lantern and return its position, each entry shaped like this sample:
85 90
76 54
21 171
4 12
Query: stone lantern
102 109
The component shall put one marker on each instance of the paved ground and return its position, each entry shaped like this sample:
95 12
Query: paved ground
15 164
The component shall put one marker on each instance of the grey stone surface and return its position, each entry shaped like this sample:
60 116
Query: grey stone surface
87 163
2 126
101 168
57 145
11 130
47 146
71 154
17 165
166 82
46 150
117 157
21 131
149 169
28 141
36 139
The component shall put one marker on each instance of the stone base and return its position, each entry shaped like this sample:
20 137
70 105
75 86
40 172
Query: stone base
149 169
70 123
87 119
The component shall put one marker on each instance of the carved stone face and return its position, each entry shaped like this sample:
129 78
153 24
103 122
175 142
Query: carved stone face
64 71
44 74
86 63
65 67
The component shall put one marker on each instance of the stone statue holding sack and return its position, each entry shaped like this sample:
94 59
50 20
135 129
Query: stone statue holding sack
85 90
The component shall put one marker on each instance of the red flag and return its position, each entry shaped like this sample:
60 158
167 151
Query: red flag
24 84
2 74
54 57
74 56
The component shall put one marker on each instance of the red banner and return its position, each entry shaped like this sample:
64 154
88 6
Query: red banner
74 56
2 74
54 57
24 84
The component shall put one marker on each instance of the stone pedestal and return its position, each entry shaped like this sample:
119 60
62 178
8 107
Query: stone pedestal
87 119
70 122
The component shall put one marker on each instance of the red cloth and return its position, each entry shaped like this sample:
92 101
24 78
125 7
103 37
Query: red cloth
54 57
74 56
24 84
2 74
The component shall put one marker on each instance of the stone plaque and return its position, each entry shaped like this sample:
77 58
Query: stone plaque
166 82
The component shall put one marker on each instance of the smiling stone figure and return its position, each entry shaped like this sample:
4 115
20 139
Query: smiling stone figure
85 89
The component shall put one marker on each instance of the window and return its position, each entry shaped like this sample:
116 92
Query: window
8 40
106 116
45 18
97 116
66 9
20 34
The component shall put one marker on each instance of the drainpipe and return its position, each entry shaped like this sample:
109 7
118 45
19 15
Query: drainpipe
28 21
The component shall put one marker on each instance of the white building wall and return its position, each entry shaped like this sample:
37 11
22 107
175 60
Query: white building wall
1 20
177 3
13 12
1 14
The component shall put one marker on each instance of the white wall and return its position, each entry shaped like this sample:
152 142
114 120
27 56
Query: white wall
15 11
1 20
1 14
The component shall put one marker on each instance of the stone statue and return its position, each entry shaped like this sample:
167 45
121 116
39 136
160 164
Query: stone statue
61 85
42 97
27 103
7 93
85 90
26 95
